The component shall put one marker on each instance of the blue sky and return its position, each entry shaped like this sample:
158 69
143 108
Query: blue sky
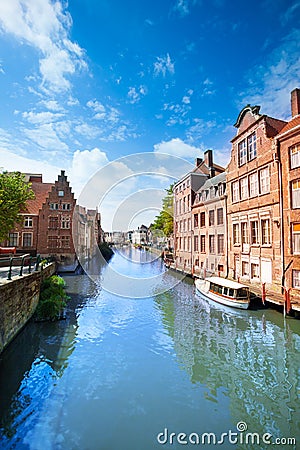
86 82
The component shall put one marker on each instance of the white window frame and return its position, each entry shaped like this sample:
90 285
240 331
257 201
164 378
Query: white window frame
244 188
295 238
28 222
242 148
12 238
264 180
235 191
295 194
253 184
23 238
296 279
251 141
294 156
254 228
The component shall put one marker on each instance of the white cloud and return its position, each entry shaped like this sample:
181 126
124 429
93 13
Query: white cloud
198 129
46 137
53 105
88 131
45 26
163 65
41 117
135 95
176 147
271 83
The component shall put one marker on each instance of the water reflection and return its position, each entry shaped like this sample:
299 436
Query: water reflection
119 370
252 356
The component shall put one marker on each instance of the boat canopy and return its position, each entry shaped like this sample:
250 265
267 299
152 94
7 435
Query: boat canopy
226 283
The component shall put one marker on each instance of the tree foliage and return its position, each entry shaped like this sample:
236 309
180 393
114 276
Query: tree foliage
164 220
14 192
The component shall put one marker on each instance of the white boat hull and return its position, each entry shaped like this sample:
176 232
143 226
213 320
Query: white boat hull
202 289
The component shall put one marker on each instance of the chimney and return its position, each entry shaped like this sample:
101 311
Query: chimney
198 161
295 102
208 158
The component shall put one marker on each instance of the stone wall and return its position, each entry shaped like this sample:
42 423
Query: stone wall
18 300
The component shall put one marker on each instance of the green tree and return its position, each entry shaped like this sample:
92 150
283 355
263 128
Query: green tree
14 192
164 220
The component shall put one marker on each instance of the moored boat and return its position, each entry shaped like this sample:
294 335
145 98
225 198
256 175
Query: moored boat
226 292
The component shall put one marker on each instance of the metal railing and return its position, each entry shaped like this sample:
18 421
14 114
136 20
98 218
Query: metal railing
22 262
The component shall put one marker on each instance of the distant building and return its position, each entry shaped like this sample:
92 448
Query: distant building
184 196
49 222
140 236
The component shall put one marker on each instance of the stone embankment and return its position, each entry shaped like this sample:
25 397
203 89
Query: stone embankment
18 300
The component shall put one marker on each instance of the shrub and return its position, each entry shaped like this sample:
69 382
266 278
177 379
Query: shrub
52 299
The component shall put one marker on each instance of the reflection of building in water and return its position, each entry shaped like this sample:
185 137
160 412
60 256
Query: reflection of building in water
248 357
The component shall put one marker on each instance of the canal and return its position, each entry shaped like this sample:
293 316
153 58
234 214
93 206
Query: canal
124 373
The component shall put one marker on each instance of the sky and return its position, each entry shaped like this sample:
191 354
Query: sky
85 83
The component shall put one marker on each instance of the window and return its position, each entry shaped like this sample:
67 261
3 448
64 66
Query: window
252 146
65 241
53 222
61 193
244 188
52 242
254 231
220 243
13 239
254 270
264 180
66 206
296 194
27 239
236 234
211 217
196 220
202 244
211 243
65 222
242 152
244 232
202 219
28 222
296 279
265 232
53 205
220 219
253 184
235 191
296 237
245 269
196 243
295 156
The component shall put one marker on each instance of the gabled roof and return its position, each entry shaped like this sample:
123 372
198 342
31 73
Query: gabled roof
290 125
41 191
254 110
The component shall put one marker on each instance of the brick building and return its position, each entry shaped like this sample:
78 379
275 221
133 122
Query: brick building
288 150
184 195
253 189
209 230
48 222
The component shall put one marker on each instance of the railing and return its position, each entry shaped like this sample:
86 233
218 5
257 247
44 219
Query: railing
23 262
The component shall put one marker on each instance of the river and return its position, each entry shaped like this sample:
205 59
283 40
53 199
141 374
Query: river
132 373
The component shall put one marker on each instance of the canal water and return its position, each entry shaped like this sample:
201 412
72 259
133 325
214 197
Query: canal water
132 373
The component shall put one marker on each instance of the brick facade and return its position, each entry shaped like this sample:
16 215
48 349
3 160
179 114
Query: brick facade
51 219
254 201
288 147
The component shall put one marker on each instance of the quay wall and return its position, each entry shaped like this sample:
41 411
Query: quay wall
18 300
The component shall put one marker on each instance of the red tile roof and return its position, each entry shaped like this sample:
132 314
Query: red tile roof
293 123
41 191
